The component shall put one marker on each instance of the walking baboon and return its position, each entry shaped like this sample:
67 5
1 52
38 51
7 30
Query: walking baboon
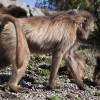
44 34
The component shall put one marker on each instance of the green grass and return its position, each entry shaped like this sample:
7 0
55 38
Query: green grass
97 93
43 72
53 98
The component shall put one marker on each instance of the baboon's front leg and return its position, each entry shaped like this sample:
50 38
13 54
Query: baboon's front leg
72 64
56 59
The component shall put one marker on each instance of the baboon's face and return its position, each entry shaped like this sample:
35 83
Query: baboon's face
85 29
87 25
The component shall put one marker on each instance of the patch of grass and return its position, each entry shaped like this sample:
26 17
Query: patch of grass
31 78
97 93
6 86
43 72
78 98
37 59
53 98
73 96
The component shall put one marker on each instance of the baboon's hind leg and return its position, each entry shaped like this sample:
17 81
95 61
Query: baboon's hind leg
17 74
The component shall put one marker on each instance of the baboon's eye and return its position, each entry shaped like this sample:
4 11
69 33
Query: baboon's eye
84 20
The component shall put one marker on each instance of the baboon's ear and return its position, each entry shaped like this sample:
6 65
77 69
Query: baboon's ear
17 11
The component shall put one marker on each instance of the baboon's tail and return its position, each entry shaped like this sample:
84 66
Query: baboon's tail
19 38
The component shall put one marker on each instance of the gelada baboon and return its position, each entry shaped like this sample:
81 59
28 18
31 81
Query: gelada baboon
44 34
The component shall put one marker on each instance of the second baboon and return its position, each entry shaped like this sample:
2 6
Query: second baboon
44 34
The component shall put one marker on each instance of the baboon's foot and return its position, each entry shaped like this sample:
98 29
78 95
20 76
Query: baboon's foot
81 87
51 86
17 88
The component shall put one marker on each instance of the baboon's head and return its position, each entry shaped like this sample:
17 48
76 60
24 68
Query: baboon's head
13 10
87 25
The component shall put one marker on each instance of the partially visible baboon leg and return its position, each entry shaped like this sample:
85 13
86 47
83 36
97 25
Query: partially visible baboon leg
72 64
78 58
56 59
80 64
17 73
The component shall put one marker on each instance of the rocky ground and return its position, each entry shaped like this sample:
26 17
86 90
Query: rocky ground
36 80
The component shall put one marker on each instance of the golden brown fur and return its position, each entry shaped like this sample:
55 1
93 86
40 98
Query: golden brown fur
44 34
